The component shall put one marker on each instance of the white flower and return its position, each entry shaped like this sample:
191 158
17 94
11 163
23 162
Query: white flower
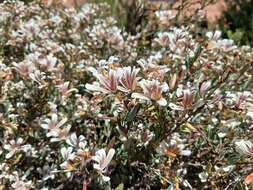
226 45
13 147
67 153
102 161
203 176
75 141
53 124
214 35
245 147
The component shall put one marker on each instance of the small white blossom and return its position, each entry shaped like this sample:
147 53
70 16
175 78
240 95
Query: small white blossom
102 161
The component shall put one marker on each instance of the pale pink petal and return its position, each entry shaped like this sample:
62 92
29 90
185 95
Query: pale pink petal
62 122
162 102
54 118
96 88
109 156
139 96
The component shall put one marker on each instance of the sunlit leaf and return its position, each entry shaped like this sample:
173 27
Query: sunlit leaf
249 179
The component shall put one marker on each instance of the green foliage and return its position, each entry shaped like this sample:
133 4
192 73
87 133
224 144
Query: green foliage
238 21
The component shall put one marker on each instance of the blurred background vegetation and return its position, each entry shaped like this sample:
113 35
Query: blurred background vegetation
128 13
235 23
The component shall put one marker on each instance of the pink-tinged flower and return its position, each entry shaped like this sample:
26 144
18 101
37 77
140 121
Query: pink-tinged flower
102 161
13 147
188 98
173 150
245 147
64 89
48 3
49 63
163 39
53 124
60 134
108 82
128 79
152 90
37 76
205 86
173 81
242 100
24 68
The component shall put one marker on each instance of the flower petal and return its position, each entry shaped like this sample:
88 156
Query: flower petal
62 122
96 88
162 102
105 178
110 156
139 96
165 87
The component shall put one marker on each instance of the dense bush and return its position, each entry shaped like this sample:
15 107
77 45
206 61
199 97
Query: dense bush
85 104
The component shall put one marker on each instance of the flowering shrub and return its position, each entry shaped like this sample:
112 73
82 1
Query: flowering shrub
85 104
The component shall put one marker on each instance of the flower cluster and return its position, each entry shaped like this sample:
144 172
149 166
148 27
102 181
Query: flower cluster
85 104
